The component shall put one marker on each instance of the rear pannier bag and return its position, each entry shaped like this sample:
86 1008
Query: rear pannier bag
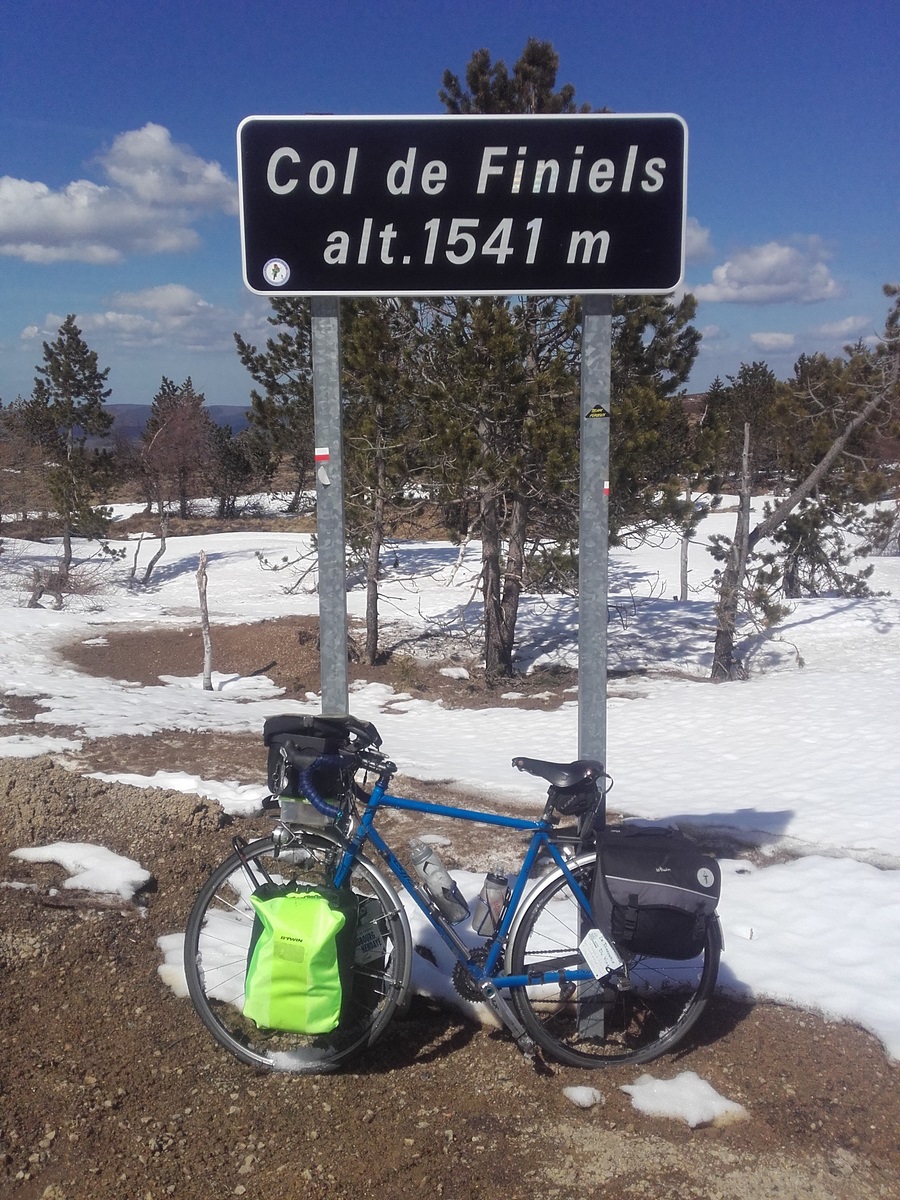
300 960
654 891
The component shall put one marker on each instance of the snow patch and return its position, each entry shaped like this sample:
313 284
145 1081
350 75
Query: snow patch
686 1098
584 1097
91 868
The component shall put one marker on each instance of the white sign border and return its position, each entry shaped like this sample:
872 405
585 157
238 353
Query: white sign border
443 117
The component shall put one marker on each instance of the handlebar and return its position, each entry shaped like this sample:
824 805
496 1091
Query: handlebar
344 760
341 761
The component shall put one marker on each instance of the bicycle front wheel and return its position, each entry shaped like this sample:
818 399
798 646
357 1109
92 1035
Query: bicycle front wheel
637 1013
217 943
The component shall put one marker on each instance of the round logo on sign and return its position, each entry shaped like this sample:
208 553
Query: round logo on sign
705 877
276 272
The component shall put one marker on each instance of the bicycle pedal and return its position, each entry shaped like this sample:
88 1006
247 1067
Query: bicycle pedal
540 1064
529 1050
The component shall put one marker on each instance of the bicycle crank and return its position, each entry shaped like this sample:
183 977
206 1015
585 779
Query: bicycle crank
506 1014
463 982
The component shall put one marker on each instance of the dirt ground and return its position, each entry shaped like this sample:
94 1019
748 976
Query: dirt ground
111 1087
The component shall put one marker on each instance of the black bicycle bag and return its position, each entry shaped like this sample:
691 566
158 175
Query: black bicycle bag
654 891
308 737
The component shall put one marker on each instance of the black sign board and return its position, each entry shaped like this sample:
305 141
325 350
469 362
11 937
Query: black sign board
475 205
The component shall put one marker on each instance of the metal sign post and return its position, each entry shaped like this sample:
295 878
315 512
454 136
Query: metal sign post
593 525
593 573
326 365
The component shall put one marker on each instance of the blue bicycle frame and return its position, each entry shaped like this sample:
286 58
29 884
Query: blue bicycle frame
484 972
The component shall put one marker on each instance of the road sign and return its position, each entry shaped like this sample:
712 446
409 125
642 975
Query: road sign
589 203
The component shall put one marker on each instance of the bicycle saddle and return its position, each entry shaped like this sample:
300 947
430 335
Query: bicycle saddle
561 775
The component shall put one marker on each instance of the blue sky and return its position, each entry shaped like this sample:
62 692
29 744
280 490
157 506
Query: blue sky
118 163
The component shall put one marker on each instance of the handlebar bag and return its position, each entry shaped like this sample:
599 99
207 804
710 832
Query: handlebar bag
307 737
300 960
654 891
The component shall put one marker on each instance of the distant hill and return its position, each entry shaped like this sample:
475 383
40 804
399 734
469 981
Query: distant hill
129 420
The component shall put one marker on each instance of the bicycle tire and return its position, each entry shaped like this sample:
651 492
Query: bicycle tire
639 1013
217 941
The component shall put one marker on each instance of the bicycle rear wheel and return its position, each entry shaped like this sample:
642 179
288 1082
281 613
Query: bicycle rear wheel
636 1014
217 942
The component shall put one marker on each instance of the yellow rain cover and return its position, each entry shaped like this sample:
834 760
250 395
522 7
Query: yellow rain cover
293 980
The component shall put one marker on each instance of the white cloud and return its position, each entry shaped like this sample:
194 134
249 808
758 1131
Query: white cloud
156 191
147 164
171 315
773 341
850 327
697 246
773 273
713 333
168 297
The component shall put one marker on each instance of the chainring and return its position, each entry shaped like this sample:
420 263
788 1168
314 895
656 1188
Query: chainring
463 982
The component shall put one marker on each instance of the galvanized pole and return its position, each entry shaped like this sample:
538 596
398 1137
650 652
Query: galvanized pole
593 578
326 365
593 527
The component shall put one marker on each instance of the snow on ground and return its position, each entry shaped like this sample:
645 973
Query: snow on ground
687 1097
799 760
239 799
91 868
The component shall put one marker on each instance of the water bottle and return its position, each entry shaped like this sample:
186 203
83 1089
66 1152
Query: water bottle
490 904
438 884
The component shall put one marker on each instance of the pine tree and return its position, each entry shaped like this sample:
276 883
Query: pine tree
513 394
176 445
282 412
501 374
380 343
23 462
503 412
829 419
755 398
489 87
652 446
68 406
238 464
379 340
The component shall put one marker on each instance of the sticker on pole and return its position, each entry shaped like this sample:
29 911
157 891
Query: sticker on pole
599 954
